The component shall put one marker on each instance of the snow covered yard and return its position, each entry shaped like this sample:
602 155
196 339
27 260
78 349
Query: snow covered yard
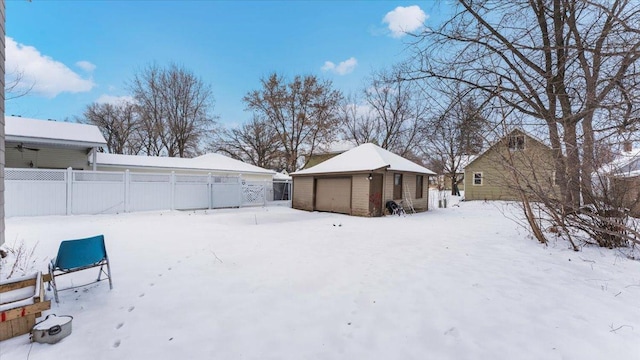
276 283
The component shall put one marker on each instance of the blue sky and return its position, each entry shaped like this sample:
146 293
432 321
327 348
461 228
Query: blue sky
78 52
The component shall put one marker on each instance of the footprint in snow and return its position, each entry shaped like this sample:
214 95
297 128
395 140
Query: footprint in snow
131 308
116 344
119 325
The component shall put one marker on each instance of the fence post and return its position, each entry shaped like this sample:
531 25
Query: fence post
241 190
172 182
127 189
264 191
69 190
209 189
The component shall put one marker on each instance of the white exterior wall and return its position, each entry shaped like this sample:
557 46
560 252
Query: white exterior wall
46 158
2 147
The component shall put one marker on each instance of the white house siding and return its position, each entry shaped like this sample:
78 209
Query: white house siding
360 195
303 193
2 147
46 158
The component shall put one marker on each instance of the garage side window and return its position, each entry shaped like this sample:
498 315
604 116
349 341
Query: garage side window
419 182
397 186
477 178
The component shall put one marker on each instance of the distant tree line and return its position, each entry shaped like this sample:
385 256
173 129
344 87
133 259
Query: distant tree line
171 114
569 70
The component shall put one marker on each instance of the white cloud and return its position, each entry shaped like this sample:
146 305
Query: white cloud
86 66
343 68
47 76
114 100
403 20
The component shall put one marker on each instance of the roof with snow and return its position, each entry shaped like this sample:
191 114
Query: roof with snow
626 164
364 158
210 162
35 131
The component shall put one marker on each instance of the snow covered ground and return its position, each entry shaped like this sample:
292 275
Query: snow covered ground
277 283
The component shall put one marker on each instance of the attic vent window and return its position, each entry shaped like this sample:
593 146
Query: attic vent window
516 142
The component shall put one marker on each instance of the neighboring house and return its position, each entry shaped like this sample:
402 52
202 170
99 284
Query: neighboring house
360 182
316 159
462 162
624 180
490 175
216 164
333 149
46 144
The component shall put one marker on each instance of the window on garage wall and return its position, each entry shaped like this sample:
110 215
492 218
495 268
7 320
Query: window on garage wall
419 182
397 186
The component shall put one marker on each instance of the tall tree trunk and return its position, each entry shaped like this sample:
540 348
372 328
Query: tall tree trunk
573 164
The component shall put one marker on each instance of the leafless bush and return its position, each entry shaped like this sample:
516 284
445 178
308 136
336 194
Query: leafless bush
20 261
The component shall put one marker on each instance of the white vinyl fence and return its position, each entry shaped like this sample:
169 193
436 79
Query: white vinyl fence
33 192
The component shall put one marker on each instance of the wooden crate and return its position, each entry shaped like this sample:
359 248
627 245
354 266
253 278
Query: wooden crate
21 302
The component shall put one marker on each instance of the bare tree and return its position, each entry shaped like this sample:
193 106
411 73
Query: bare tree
118 124
562 62
454 136
302 112
565 63
255 142
358 123
16 85
397 113
175 107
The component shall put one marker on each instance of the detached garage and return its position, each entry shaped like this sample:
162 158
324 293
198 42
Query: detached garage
360 181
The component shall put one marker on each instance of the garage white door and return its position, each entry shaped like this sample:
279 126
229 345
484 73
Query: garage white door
334 195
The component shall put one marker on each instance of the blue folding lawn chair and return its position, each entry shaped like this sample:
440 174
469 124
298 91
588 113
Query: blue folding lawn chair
78 255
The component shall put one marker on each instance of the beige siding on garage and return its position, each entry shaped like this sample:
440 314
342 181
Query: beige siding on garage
303 193
360 195
421 204
408 190
334 195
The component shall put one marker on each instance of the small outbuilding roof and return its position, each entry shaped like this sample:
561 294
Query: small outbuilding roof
364 158
207 162
48 132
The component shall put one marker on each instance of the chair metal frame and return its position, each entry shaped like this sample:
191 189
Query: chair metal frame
77 255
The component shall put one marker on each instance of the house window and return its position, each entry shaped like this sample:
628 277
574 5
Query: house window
419 182
397 186
516 142
477 178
